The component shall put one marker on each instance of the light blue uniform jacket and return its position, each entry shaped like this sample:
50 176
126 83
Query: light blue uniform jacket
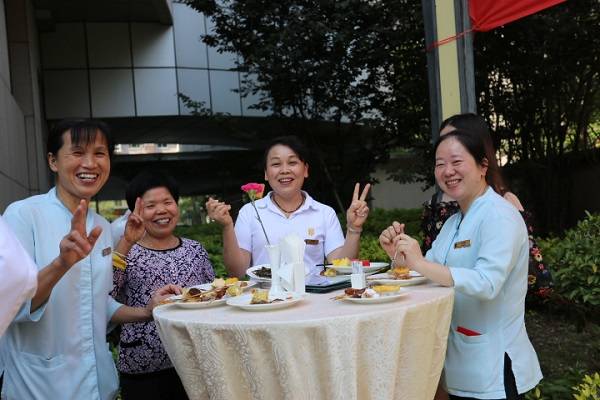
60 350
487 252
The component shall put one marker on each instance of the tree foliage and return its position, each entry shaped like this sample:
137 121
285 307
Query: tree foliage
355 63
361 66
538 82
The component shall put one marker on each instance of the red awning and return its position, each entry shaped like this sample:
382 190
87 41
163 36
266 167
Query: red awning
489 14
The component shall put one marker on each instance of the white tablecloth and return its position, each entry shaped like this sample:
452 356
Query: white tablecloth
316 349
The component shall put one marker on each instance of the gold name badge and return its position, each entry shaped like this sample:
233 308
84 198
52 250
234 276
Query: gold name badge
312 242
462 244
106 251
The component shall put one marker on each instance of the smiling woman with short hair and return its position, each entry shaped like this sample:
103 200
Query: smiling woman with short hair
482 251
158 258
56 346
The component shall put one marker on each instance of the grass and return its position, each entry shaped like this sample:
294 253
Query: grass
565 349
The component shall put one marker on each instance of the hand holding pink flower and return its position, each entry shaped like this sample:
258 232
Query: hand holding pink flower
255 191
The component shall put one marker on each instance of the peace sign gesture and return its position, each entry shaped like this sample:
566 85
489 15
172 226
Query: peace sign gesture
358 211
135 229
77 244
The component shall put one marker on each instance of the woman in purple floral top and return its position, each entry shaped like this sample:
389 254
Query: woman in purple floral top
158 258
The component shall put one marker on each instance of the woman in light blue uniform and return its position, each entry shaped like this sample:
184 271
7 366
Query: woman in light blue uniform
55 348
483 252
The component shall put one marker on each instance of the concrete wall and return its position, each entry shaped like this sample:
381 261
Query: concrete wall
22 169
388 194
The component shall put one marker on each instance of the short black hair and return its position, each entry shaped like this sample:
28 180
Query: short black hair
293 142
147 180
83 131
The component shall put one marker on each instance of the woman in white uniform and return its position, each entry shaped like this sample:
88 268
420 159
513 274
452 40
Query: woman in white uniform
288 209
483 252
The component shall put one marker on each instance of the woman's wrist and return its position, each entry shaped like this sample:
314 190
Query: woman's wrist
351 229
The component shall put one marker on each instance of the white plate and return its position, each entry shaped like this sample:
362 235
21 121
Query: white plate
386 279
348 269
251 274
208 286
375 300
243 302
200 304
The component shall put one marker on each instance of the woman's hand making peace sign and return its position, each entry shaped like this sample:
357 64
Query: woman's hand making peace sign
358 211
77 244
135 228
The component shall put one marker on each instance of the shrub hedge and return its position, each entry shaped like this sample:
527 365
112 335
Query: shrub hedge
575 262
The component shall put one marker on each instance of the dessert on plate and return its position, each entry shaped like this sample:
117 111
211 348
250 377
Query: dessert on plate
399 272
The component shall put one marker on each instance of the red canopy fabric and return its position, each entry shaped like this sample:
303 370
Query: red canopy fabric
489 14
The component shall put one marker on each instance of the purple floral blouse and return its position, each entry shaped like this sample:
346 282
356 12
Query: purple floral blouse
140 349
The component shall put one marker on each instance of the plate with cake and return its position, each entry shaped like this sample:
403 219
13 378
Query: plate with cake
374 294
209 294
261 300
226 282
401 276
344 266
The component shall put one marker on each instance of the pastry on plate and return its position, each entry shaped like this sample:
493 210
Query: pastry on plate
260 296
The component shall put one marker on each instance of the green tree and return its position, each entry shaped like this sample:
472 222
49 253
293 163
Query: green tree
538 83
355 67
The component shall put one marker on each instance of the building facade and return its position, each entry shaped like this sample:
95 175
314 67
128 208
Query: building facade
130 64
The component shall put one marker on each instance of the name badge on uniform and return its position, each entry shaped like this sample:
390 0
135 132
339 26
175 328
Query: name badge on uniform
462 244
311 242
106 251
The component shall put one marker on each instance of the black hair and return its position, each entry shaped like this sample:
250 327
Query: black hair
147 180
473 124
293 142
83 132
474 146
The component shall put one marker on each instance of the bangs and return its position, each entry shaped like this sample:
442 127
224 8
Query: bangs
85 135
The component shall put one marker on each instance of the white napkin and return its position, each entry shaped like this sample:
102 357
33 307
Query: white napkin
292 269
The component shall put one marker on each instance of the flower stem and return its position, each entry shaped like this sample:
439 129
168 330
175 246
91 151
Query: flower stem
261 223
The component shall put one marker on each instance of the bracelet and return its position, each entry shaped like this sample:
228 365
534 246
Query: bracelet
353 230
118 261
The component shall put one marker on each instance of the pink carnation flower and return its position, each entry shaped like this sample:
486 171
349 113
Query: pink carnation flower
254 190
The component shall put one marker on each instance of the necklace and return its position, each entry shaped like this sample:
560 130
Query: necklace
283 209
168 244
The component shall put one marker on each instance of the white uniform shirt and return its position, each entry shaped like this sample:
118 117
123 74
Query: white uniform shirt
314 222
19 276
487 253
59 351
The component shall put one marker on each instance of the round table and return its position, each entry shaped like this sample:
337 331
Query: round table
316 349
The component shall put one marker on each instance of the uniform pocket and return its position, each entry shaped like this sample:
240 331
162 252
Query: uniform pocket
473 363
38 377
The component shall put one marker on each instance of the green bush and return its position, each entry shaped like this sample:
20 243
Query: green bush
379 219
210 236
371 250
575 261
556 389
589 389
